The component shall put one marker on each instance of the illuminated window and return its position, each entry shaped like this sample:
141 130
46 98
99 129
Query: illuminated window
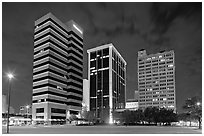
171 65
162 60
155 99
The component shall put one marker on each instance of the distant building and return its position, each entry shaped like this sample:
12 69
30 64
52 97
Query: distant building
86 94
57 69
4 104
136 95
25 110
156 79
132 104
107 77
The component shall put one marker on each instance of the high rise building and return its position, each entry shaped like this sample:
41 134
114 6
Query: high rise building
57 69
107 77
156 79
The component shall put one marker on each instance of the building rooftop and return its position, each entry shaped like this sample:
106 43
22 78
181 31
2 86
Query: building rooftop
158 53
106 46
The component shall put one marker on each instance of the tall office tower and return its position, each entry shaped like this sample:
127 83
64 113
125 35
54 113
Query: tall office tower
57 69
107 77
156 79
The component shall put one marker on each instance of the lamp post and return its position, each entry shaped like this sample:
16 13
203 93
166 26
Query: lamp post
27 107
10 76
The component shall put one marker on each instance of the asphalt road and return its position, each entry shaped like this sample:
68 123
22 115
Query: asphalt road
100 130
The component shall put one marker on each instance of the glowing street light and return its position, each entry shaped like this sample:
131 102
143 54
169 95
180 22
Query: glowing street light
198 103
10 76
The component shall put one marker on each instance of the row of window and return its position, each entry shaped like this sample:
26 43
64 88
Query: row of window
155 78
155 91
50 27
143 89
154 64
57 94
117 59
56 43
58 101
100 63
59 26
58 80
60 60
167 59
54 72
99 53
53 110
157 71
157 103
61 67
156 68
150 96
158 99
79 91
156 82
157 57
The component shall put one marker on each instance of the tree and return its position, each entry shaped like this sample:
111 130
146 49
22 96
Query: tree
149 114
185 117
155 115
104 114
72 117
137 116
90 116
126 115
194 108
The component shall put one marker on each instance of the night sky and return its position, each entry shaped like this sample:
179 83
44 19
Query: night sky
129 26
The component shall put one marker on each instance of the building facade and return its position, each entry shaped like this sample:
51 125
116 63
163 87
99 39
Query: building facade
86 94
25 110
4 104
156 79
132 104
107 78
136 97
57 69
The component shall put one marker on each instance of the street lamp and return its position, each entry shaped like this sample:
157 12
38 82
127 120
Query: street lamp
10 76
198 103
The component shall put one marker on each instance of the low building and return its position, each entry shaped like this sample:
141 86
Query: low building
25 110
132 104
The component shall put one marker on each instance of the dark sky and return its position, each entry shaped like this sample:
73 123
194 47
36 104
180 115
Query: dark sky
129 26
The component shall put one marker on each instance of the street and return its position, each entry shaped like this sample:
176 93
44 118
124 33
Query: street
100 130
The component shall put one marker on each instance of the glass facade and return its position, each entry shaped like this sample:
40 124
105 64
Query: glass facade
107 80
